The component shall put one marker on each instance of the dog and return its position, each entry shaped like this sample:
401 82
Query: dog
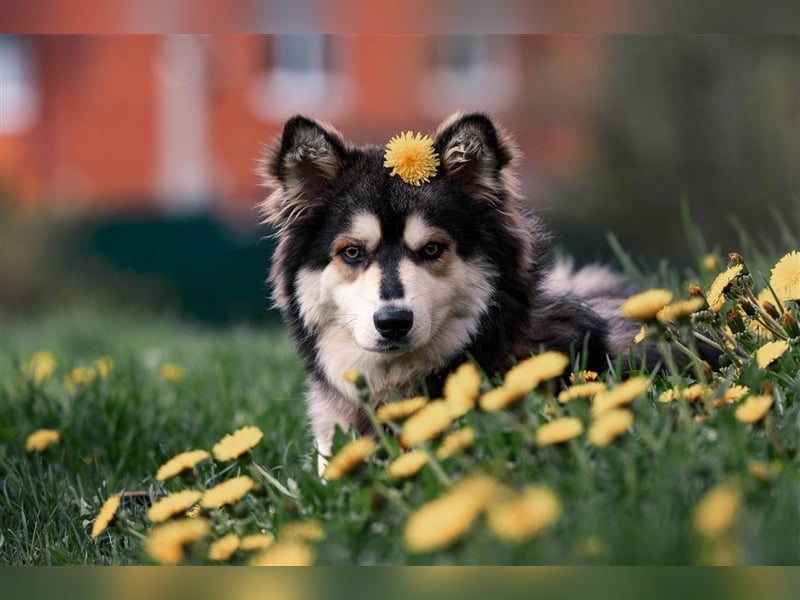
403 282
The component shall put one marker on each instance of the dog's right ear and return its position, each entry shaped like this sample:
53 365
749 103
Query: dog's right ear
298 166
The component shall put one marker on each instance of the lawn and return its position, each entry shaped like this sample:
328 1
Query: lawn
690 481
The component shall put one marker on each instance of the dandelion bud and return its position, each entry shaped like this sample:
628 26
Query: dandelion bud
771 310
748 307
790 324
735 258
735 320
695 290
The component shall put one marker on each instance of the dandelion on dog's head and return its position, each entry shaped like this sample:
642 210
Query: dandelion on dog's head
179 463
645 305
106 515
715 512
558 431
349 457
227 492
171 372
770 352
785 279
166 543
40 366
407 464
237 443
172 505
461 389
41 439
224 547
411 157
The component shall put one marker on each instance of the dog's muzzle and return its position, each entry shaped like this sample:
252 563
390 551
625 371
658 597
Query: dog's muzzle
393 323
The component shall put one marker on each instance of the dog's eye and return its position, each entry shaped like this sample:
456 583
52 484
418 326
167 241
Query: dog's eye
352 254
432 250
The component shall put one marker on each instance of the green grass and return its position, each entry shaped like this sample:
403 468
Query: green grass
629 503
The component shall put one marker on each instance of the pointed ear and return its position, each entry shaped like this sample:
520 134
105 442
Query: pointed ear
476 154
298 167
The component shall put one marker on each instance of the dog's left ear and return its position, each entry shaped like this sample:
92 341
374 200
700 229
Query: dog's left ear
474 152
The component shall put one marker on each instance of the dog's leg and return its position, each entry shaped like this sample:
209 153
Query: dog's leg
328 408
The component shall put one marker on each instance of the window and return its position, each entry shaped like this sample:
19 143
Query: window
18 94
303 73
470 72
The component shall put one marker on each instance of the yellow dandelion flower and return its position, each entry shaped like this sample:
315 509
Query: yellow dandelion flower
103 366
224 547
583 377
106 515
461 389
519 519
237 443
171 372
645 305
455 442
79 376
172 505
753 409
770 352
558 431
763 471
733 394
641 335
609 425
256 541
349 457
227 492
351 376
309 531
396 411
407 465
715 512
429 422
694 393
716 293
582 390
710 262
289 553
411 157
679 310
668 396
179 463
41 439
443 521
194 511
498 398
785 279
529 373
166 543
40 366
624 393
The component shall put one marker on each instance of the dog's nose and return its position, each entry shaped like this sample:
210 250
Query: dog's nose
393 323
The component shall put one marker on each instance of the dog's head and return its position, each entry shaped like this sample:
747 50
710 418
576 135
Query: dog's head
378 268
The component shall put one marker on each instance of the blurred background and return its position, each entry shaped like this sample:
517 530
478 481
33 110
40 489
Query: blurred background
126 162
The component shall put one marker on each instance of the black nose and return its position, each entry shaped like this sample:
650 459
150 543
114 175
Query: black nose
393 323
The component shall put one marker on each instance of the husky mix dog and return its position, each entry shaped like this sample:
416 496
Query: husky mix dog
402 283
